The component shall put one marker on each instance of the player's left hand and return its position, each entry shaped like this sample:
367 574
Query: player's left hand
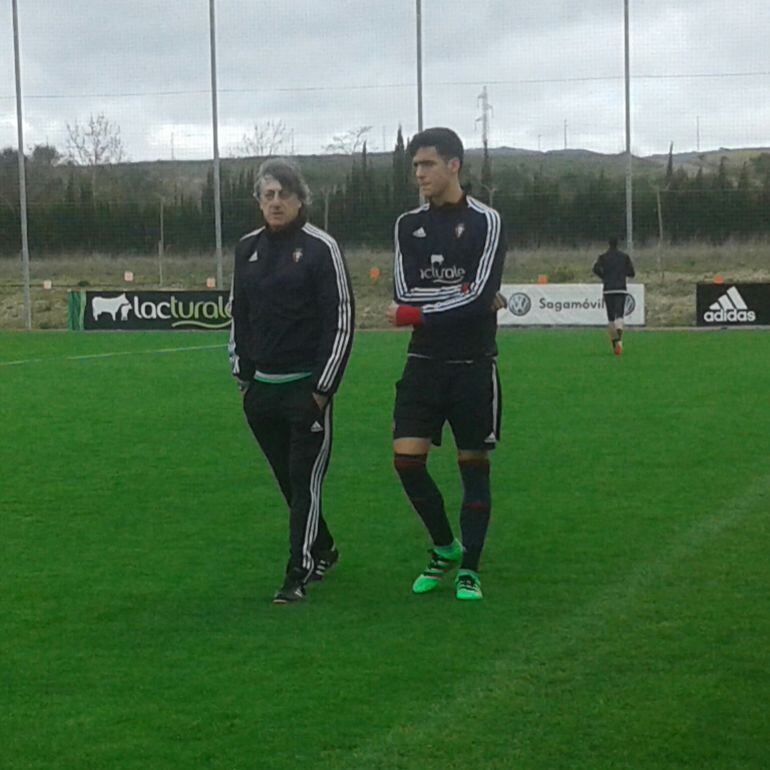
391 313
499 302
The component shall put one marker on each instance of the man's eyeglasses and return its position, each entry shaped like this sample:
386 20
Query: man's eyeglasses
267 196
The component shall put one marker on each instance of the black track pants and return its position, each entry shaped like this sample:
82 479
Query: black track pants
296 438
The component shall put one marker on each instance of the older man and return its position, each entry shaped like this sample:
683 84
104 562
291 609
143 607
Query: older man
292 330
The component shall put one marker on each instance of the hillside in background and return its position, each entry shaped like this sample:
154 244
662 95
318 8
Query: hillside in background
189 177
144 180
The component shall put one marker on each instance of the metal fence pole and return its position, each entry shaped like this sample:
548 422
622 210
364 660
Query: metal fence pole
419 65
629 159
215 130
22 176
161 243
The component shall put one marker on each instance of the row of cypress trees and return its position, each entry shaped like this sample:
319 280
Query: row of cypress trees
537 209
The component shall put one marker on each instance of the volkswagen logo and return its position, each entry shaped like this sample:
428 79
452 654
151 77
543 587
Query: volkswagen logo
629 305
519 303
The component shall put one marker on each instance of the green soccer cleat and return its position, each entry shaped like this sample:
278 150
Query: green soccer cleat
442 561
468 585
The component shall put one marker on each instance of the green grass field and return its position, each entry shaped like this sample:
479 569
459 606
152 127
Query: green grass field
626 622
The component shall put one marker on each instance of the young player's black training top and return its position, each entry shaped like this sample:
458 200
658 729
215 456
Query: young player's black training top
449 262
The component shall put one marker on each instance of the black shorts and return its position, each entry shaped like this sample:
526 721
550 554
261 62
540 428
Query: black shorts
466 395
615 305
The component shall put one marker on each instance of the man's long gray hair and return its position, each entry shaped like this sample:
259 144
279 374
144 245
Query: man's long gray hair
288 174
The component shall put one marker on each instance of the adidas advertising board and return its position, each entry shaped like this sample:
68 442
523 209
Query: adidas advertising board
163 310
732 304
565 304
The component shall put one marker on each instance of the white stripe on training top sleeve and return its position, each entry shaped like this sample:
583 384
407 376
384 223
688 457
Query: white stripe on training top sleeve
235 361
344 314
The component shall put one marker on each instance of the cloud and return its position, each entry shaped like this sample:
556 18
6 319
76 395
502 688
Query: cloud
327 67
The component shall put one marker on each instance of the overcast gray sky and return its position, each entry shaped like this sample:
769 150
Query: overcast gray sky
326 66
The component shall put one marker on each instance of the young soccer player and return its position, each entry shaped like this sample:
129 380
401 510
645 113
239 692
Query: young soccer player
449 256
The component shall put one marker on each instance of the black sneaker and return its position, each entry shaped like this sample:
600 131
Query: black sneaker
292 590
324 561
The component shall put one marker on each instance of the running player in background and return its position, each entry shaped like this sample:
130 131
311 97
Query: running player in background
613 267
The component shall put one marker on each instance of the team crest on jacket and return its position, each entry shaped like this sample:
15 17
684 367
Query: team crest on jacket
296 255
459 229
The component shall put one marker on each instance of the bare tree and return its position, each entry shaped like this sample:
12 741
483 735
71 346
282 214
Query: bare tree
96 144
349 142
267 138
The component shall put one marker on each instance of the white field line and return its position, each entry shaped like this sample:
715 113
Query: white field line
110 355
24 361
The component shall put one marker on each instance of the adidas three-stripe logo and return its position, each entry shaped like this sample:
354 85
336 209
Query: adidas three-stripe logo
729 307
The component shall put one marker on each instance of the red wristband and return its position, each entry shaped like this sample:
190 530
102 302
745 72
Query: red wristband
406 315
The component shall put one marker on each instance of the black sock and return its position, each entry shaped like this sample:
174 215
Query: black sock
477 506
424 496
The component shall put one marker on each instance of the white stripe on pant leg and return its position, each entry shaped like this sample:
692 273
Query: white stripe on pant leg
495 400
316 478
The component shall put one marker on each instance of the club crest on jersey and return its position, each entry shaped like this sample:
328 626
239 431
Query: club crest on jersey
459 229
296 255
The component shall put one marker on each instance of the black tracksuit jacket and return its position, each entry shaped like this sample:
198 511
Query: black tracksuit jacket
449 262
292 306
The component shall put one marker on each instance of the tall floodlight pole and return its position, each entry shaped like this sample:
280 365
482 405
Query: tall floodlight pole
629 162
419 65
22 176
215 131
